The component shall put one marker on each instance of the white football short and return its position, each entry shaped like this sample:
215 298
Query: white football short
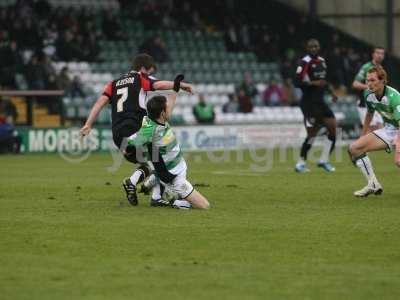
180 186
388 135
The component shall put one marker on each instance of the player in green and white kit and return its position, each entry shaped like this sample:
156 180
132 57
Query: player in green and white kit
157 139
385 100
359 83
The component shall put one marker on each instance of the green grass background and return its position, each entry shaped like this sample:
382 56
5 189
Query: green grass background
67 232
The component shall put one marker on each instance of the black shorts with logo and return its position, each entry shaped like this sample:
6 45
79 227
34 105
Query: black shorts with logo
125 129
315 113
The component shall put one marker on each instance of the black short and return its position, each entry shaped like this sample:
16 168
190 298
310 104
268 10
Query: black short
125 129
315 113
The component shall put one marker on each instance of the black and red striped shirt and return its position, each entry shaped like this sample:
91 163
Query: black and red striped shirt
310 69
127 96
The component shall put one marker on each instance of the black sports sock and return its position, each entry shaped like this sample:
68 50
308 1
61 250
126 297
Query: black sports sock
333 140
305 148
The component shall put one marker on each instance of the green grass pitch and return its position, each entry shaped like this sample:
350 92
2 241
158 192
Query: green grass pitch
67 232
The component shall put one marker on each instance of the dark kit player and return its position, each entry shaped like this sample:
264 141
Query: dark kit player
127 97
311 78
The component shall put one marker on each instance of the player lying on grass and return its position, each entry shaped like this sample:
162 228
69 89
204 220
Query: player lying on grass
385 100
127 97
157 139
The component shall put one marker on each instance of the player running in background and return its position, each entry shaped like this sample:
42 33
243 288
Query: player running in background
157 138
127 97
359 83
385 100
311 78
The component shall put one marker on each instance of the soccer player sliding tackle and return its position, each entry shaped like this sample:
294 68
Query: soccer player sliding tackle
127 97
157 140
384 100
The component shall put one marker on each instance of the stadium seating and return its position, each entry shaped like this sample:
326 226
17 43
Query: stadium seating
204 60
215 93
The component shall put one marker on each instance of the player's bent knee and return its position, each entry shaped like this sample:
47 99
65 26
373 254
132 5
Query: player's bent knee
398 164
355 149
351 149
198 200
204 205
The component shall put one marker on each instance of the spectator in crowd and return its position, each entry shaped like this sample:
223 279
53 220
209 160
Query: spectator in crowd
92 50
337 68
67 48
111 28
76 89
203 111
47 65
231 38
49 40
274 95
248 87
267 49
52 102
291 93
9 139
287 69
155 47
10 59
30 34
35 74
149 13
291 40
245 103
232 106
71 34
64 80
8 111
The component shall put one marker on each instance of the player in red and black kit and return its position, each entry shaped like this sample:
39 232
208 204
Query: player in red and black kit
127 97
311 78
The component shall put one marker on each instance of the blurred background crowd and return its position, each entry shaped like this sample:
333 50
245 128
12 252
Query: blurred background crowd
34 34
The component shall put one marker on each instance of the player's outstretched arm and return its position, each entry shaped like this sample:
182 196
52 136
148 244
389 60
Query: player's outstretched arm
96 109
169 85
171 99
367 122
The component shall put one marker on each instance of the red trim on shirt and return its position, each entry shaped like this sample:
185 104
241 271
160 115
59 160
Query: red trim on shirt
146 84
305 70
108 90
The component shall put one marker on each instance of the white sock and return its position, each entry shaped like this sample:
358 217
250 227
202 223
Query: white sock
156 192
182 204
301 161
365 165
150 181
136 176
326 150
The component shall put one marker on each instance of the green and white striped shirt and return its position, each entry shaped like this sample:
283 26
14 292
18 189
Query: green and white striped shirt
388 106
362 73
163 148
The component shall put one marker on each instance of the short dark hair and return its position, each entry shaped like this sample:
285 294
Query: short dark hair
378 48
312 40
155 106
143 60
